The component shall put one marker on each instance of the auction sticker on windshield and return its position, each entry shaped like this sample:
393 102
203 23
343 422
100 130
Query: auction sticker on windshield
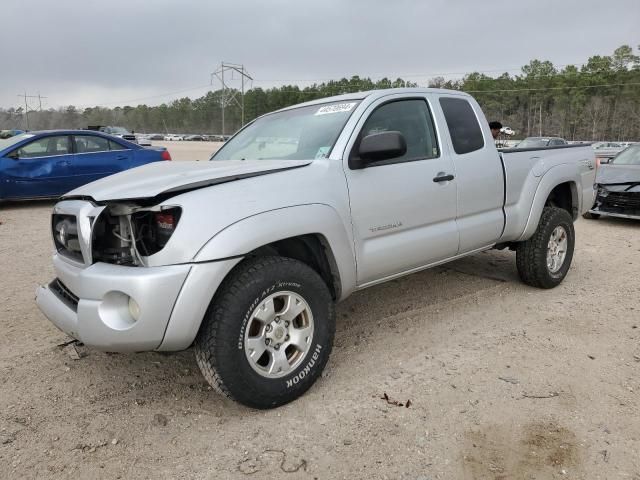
337 108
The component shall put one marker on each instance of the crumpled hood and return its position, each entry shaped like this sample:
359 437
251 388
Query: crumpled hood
161 178
608 174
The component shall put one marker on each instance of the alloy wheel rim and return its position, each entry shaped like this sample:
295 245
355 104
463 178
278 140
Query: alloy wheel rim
557 249
278 335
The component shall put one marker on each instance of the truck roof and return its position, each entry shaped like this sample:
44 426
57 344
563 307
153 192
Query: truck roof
374 94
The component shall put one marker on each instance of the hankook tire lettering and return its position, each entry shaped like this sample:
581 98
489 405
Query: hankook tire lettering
305 371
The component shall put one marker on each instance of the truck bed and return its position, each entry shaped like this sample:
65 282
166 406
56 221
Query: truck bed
525 170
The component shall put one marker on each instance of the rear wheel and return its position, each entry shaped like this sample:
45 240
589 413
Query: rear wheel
544 260
268 332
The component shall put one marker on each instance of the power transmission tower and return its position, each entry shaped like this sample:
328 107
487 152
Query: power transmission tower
229 95
26 105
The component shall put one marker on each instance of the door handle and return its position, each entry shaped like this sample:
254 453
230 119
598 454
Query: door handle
62 163
121 157
443 178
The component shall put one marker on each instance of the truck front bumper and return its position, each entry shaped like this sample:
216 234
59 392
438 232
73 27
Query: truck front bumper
118 308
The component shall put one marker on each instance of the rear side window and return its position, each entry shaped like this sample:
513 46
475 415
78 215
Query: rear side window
116 146
91 144
464 128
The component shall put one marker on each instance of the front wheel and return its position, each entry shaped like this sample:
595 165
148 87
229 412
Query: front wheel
268 332
544 260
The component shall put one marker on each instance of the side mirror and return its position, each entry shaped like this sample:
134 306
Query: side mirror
377 147
13 155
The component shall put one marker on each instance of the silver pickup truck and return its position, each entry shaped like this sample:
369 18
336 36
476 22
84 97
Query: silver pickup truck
245 256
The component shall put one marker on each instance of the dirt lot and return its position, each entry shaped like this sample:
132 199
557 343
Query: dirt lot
504 381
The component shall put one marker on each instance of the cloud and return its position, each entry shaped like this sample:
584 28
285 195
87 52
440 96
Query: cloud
96 52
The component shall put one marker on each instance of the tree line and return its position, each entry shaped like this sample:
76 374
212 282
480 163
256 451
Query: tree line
600 100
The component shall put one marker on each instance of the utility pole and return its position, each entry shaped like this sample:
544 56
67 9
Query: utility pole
229 95
540 118
40 101
26 105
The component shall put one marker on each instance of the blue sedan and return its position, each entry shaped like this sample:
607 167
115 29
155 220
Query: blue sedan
50 163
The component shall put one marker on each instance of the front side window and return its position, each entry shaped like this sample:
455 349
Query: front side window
464 128
303 133
91 144
45 147
412 119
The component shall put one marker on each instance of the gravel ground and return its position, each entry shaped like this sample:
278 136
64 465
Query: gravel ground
504 381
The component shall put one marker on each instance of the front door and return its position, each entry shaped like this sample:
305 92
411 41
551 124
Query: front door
403 209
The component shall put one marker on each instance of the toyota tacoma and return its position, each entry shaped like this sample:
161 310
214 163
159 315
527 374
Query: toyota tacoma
244 257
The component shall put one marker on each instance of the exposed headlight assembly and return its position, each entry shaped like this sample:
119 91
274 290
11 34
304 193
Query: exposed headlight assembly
153 229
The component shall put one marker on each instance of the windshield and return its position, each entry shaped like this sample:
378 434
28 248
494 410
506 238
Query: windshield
630 156
302 133
8 142
533 142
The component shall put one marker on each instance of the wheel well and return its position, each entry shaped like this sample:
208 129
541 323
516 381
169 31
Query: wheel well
564 196
311 249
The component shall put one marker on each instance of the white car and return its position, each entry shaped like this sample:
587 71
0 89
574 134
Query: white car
507 131
143 140
173 138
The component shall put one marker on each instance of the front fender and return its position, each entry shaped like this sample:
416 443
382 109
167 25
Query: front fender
564 173
264 228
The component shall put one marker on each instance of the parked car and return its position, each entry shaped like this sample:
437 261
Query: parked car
194 138
119 132
507 131
246 254
537 142
143 140
605 151
155 136
10 133
173 138
618 186
50 163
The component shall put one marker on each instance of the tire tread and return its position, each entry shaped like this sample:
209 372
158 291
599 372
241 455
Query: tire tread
531 255
207 348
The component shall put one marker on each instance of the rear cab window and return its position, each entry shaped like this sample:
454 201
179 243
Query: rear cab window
464 128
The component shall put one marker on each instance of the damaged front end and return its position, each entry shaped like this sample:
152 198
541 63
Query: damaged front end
125 234
119 233
618 200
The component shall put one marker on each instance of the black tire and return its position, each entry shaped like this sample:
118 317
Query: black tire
220 344
591 216
531 256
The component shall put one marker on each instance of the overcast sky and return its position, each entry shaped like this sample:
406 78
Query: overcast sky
88 52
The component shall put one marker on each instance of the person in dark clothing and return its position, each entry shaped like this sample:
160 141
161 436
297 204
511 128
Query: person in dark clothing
495 129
